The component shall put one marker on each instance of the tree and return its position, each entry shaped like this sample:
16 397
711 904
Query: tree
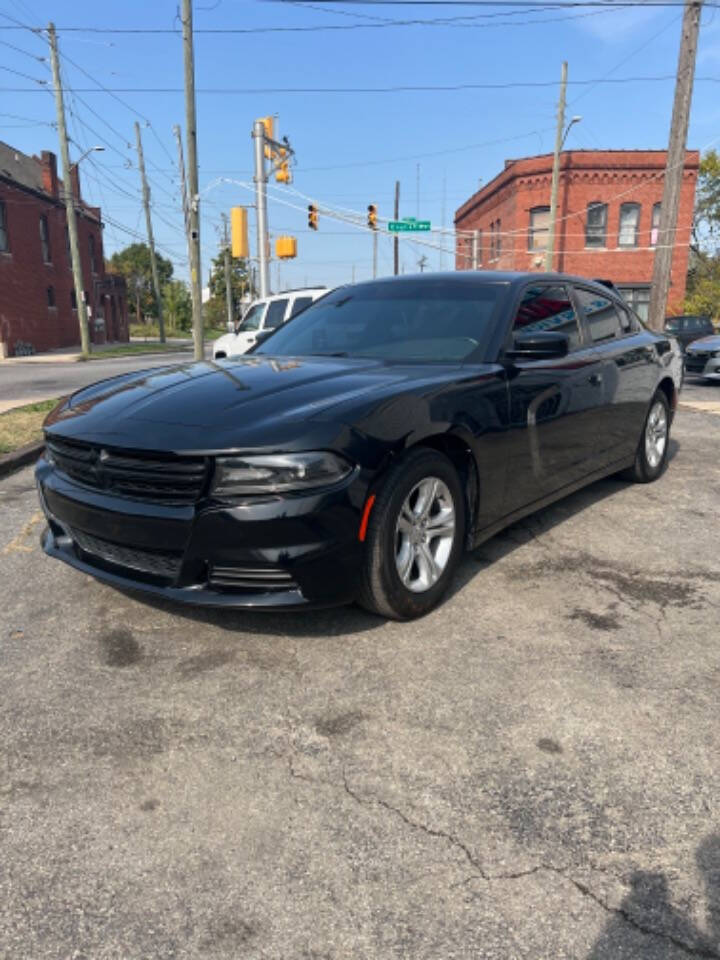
215 310
177 305
703 283
134 264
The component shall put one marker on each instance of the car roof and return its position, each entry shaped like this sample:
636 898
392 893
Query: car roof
300 291
477 277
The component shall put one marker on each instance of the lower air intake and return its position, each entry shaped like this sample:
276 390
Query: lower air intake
251 578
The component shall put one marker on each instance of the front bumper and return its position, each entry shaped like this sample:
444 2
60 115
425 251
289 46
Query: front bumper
703 366
259 553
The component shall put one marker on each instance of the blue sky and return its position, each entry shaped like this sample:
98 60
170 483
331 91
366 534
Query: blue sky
350 147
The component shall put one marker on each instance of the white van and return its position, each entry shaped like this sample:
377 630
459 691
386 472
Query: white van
265 314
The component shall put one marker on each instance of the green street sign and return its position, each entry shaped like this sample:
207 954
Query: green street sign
408 224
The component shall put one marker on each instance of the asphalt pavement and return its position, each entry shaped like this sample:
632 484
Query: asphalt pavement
529 772
30 381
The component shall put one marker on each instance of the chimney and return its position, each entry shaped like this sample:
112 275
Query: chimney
48 163
75 182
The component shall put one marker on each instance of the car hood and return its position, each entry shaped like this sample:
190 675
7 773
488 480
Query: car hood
705 343
234 404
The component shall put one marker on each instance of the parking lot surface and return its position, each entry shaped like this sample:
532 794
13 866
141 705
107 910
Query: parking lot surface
531 771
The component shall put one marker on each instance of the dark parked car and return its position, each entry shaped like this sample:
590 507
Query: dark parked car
702 358
687 329
362 447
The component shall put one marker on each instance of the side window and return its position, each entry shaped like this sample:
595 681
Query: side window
629 221
596 224
548 308
45 240
300 304
601 315
253 317
4 244
628 321
275 314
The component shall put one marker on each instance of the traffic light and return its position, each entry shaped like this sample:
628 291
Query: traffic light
282 174
239 232
285 248
372 216
269 124
312 216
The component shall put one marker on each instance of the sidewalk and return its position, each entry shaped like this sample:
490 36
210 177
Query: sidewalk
73 354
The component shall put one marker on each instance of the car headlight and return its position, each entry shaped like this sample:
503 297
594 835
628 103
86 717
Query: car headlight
715 353
277 473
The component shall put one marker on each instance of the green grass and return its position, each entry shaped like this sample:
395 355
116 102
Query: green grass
131 349
150 332
23 425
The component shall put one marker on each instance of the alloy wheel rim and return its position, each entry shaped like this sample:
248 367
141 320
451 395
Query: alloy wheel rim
424 534
656 433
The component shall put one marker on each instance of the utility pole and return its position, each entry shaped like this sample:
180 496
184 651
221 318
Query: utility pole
396 239
675 164
69 198
228 282
192 181
151 239
374 254
442 223
183 191
261 207
475 239
556 168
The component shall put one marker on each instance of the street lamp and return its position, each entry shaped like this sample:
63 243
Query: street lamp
567 130
87 152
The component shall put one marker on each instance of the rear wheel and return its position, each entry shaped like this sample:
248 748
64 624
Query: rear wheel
652 452
415 537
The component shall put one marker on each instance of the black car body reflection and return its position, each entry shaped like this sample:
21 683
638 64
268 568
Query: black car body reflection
196 481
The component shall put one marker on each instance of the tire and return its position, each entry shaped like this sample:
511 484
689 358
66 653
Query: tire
650 461
394 542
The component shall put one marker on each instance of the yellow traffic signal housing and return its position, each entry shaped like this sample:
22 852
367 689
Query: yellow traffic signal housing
372 216
312 216
285 248
269 124
282 174
239 232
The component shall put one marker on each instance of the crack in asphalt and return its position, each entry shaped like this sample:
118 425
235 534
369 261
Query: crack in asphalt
703 951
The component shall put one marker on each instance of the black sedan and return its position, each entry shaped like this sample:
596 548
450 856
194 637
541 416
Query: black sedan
362 447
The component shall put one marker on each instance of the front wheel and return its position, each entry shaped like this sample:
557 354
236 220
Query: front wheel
652 452
415 537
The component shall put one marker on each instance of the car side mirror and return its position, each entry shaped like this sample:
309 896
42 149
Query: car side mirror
543 345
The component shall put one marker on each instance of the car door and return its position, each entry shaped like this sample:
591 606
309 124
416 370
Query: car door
554 403
629 372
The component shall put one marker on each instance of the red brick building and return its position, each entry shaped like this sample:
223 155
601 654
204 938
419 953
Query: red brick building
607 218
37 295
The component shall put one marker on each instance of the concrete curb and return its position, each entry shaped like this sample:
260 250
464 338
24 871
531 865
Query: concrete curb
10 462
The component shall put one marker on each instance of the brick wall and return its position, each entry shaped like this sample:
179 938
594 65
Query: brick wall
610 177
25 312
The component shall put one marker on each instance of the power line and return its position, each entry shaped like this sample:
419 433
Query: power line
409 88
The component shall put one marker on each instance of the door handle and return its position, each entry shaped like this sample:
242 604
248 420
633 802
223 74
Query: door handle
595 379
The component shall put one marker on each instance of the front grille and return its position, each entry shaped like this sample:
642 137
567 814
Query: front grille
159 563
255 578
154 478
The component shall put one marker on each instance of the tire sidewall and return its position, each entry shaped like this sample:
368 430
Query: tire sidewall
647 472
404 602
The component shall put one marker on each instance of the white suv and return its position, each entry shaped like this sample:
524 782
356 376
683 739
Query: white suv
265 314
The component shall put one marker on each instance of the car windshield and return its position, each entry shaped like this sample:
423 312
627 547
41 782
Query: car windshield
431 321
251 320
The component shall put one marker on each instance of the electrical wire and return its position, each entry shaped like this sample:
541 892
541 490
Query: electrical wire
400 88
